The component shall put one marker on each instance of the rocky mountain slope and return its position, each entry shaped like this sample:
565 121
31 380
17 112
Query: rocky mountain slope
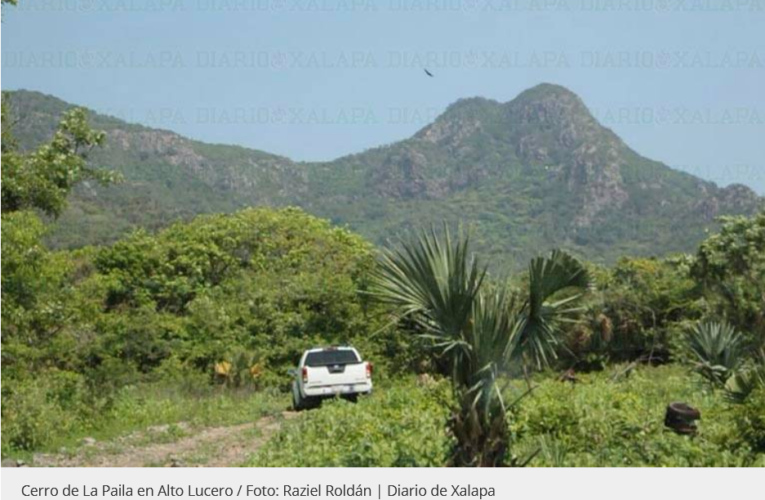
527 175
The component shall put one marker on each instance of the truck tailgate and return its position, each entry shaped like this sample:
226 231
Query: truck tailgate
336 374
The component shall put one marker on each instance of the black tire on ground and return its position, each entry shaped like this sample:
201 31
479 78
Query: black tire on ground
681 418
684 410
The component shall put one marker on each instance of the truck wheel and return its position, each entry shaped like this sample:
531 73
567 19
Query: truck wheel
297 401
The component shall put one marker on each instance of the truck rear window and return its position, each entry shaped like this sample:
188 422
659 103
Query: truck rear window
327 358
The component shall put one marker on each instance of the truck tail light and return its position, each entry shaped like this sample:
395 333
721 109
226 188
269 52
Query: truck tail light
369 369
305 374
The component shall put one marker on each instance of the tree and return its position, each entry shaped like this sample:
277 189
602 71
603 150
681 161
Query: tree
480 328
35 293
43 179
730 266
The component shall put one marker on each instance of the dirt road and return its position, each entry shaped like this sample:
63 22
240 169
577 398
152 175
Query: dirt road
177 445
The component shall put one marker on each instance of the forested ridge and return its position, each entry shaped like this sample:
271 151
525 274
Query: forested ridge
530 174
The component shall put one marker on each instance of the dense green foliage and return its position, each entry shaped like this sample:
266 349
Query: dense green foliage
43 179
608 419
101 341
256 287
749 418
400 425
269 282
259 280
644 308
637 311
731 268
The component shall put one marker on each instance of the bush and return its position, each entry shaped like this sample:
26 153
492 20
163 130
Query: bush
403 425
730 266
252 289
634 313
749 417
602 422
598 422
38 410
270 283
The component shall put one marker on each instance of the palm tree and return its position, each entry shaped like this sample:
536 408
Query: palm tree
718 349
479 328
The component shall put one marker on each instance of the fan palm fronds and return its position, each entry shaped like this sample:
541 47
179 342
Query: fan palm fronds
479 330
718 349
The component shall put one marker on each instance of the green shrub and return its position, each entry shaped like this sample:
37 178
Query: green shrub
605 422
746 380
38 410
403 425
270 283
749 418
634 313
600 421
730 267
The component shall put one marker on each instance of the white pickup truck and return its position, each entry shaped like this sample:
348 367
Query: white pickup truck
327 372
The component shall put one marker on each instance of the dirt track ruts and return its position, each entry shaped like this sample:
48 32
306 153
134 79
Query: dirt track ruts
224 446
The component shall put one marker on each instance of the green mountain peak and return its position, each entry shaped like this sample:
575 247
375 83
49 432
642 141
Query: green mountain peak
529 174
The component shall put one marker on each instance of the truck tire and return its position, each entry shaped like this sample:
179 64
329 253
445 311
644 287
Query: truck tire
298 404
295 402
681 418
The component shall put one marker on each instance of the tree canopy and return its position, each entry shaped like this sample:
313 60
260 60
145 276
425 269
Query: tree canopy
42 179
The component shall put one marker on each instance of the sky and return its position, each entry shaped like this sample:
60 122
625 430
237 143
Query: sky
681 81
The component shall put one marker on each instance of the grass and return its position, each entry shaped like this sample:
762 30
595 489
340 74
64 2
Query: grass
600 421
399 425
605 420
154 413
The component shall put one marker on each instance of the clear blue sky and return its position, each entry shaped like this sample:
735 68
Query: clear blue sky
682 82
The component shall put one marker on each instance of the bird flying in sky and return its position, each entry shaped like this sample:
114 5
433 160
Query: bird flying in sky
428 72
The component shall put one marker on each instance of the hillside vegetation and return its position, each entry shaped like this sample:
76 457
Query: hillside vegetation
599 422
531 174
104 341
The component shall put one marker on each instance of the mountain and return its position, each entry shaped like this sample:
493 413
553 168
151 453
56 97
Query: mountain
527 175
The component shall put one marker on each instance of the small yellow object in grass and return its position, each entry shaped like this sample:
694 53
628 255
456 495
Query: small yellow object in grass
256 370
223 368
